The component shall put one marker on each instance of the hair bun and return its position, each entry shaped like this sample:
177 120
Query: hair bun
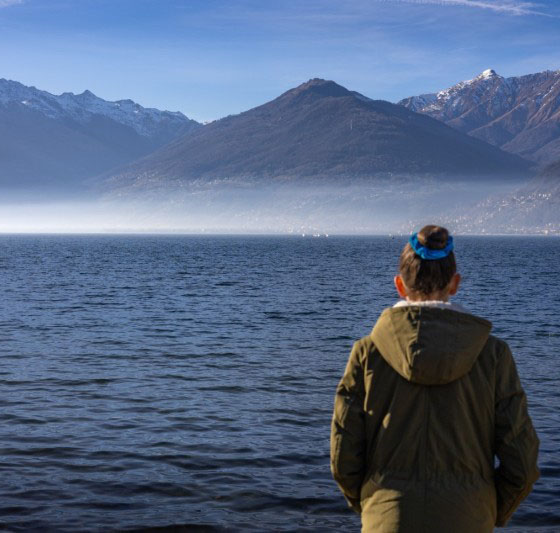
433 237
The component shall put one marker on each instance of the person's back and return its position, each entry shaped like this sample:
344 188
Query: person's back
427 401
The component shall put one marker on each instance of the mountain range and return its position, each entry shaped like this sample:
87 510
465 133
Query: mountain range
54 142
319 130
521 115
423 153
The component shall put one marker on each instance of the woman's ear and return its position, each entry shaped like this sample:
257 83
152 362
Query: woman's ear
401 287
454 284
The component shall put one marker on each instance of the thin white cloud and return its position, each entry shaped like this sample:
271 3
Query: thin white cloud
512 7
8 3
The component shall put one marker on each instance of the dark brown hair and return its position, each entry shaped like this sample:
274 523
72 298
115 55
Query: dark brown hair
423 275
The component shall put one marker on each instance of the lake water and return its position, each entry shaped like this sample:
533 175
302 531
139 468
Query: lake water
158 381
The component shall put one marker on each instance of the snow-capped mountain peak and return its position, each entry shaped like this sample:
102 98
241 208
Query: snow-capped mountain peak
83 107
483 82
58 141
488 73
519 114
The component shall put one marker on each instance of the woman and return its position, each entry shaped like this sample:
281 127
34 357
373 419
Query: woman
427 402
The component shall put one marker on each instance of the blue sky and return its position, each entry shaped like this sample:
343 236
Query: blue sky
211 58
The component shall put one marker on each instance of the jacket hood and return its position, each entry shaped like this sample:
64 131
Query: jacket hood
429 345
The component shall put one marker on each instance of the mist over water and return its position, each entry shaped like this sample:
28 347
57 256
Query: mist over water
389 205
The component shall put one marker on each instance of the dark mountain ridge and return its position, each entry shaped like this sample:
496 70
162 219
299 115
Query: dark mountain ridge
519 114
54 142
319 130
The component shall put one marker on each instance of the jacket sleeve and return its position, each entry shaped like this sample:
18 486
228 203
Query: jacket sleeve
516 443
348 439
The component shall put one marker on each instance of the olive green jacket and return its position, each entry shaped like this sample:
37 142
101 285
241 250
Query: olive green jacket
427 401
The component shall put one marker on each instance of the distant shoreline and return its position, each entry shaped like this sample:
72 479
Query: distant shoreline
150 233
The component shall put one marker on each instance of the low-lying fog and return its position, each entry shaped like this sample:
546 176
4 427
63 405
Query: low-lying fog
388 206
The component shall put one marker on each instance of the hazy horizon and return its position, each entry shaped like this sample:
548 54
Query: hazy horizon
384 207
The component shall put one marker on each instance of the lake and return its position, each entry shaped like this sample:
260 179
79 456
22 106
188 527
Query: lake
158 381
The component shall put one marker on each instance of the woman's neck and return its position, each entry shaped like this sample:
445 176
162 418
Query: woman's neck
434 297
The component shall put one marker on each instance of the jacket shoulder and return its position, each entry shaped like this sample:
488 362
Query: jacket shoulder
498 344
496 348
363 347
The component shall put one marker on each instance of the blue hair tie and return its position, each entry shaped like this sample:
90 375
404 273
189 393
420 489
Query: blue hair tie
428 253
